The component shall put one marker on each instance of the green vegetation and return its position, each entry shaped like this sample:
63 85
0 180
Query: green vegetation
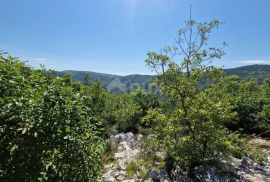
55 129
191 132
251 102
129 83
114 83
50 128
134 167
256 72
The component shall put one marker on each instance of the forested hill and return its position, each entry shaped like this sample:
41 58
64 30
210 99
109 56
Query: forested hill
116 83
251 71
113 83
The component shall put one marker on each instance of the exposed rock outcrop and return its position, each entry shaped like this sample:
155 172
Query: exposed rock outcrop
127 151
128 148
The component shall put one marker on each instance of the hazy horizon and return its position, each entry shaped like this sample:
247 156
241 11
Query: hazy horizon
151 73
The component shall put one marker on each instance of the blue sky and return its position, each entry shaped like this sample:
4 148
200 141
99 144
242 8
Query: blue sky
113 36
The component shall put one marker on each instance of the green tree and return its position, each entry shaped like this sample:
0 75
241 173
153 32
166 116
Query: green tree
191 131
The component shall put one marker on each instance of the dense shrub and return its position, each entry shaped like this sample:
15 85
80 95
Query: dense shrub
126 114
48 131
123 113
251 102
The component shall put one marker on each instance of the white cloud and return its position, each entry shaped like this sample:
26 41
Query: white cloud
42 59
255 61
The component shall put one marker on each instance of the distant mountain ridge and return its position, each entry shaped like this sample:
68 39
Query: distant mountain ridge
120 84
113 83
256 71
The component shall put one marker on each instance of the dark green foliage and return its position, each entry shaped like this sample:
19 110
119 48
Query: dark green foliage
145 100
123 113
127 115
257 72
251 101
48 129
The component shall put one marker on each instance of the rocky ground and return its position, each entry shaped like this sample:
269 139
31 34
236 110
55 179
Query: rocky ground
127 151
238 170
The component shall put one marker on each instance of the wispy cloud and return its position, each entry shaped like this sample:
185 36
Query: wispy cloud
255 61
42 59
